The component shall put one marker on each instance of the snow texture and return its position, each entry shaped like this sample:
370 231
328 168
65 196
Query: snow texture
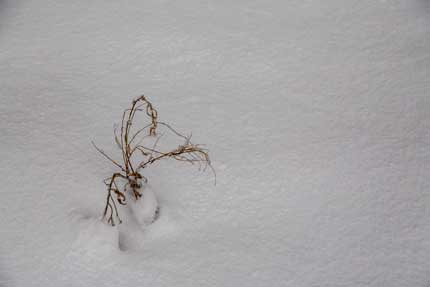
316 114
145 208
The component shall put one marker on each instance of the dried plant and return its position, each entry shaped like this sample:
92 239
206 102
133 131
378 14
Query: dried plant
136 156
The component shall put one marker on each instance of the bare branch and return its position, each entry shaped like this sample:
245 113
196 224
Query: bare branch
108 157
131 179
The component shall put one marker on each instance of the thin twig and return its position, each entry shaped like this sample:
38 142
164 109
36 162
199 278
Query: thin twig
187 152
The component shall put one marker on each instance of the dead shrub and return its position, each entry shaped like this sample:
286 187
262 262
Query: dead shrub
136 156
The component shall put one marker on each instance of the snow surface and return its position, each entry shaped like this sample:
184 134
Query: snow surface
316 114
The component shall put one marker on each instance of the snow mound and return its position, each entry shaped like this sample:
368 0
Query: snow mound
145 209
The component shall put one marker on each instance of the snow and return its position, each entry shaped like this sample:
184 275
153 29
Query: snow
316 115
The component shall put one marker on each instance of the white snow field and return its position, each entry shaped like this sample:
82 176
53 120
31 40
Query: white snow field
316 115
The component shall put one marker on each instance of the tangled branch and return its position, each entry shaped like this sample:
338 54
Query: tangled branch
136 156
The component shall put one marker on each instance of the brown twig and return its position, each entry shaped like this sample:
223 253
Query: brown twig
130 173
